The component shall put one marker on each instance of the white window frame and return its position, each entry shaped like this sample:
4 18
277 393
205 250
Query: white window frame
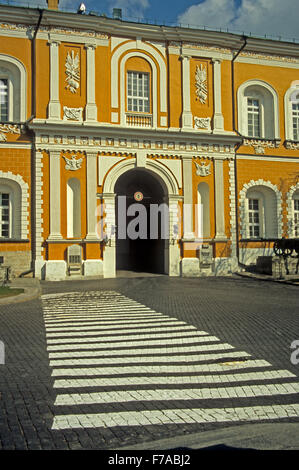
10 219
260 212
269 119
291 97
296 216
8 95
14 71
144 98
259 113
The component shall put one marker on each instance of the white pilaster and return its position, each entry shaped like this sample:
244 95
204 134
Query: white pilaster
109 267
55 196
54 104
91 108
219 200
91 186
218 121
188 198
187 120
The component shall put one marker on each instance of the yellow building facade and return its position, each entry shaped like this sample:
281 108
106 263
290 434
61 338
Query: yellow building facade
99 117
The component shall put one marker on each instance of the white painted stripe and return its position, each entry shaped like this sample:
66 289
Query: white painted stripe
124 360
175 338
160 369
245 391
136 332
143 348
177 416
150 352
96 318
216 367
170 380
88 310
111 327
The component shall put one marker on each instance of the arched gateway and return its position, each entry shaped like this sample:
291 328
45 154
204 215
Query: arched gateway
141 204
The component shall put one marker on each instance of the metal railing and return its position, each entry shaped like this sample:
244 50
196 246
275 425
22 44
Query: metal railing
150 21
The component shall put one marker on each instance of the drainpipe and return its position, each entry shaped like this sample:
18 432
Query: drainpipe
33 115
238 145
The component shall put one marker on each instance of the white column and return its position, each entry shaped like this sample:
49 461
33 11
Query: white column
110 249
219 199
55 196
187 120
91 187
188 198
172 251
91 108
54 104
218 121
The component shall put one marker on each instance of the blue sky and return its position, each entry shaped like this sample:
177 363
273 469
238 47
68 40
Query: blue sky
259 17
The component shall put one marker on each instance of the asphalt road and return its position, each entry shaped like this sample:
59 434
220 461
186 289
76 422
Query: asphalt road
109 364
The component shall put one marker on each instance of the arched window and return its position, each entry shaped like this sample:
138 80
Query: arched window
10 209
260 211
258 110
138 92
203 205
291 105
73 208
293 211
12 90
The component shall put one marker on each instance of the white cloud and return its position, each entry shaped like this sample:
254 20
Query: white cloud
272 17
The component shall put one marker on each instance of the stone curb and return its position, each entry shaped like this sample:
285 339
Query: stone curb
260 277
29 293
268 436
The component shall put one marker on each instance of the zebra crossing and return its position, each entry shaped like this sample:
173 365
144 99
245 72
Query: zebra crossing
108 351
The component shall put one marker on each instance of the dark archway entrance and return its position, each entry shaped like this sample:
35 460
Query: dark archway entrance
145 253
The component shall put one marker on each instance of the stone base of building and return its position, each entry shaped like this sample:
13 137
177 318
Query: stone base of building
19 261
57 270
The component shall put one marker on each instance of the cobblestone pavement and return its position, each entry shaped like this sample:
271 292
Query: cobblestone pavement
110 363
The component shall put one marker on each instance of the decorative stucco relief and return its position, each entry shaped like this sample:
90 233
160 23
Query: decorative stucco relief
73 163
202 123
202 169
72 70
8 129
72 114
201 84
260 145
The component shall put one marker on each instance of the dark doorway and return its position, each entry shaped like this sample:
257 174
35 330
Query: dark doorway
145 253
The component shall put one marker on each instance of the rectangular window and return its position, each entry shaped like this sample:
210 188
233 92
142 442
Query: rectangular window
138 92
254 218
295 115
4 215
296 217
253 117
3 100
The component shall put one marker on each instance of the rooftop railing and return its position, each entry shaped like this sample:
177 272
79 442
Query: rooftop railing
42 4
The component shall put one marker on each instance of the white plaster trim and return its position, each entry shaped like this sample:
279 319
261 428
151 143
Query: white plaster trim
20 87
123 89
242 107
128 164
24 210
125 48
244 211
38 205
290 209
288 121
232 205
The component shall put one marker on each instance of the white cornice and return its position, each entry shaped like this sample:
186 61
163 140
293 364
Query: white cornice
89 23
